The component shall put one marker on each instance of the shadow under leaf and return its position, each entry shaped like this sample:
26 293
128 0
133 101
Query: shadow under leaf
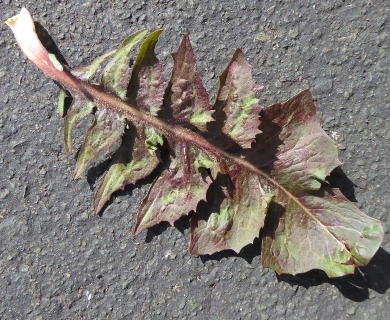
338 179
374 276
248 253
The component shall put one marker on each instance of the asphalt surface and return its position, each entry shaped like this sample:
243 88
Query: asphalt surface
60 261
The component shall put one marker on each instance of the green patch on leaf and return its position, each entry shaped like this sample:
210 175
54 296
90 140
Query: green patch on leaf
204 161
153 140
61 103
237 102
247 105
199 118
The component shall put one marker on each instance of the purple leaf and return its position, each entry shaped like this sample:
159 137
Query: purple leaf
129 166
293 147
237 174
117 73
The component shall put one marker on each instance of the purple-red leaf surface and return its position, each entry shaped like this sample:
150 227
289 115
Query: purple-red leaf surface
241 171
239 205
187 96
177 191
293 146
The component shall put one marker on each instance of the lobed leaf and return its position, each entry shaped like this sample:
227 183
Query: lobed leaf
291 133
108 127
278 184
80 108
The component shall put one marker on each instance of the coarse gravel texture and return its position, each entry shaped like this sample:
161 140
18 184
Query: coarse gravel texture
60 261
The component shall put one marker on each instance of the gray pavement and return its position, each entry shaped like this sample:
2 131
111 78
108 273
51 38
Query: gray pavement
60 261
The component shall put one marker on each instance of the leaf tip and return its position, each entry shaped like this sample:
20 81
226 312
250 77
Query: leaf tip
97 204
137 229
77 173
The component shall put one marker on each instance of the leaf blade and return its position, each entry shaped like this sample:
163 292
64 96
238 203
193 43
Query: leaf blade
292 146
79 109
147 78
340 236
117 73
87 72
236 105
296 199
104 135
176 192
187 97
236 219
128 167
